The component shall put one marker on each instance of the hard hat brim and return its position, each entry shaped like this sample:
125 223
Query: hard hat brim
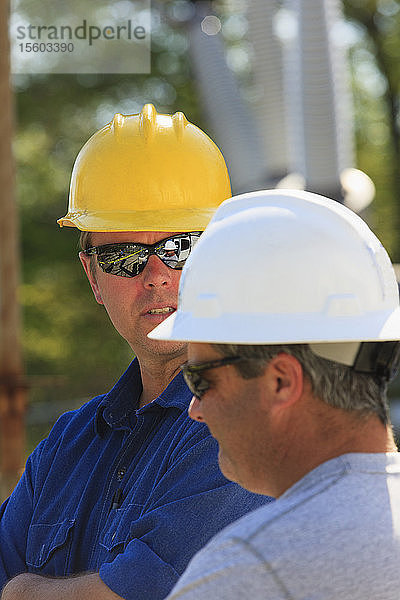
278 329
163 220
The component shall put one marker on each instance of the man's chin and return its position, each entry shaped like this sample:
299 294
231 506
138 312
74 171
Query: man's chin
170 347
165 349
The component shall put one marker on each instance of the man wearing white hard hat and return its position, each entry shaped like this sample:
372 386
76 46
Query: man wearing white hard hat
294 335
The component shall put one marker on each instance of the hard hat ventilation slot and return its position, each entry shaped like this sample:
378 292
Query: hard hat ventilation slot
342 305
207 306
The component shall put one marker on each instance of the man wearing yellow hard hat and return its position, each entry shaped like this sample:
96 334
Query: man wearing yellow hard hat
126 489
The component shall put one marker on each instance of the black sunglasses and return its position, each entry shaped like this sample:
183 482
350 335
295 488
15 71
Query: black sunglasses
192 373
128 259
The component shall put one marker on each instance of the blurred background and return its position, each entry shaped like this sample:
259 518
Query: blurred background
297 93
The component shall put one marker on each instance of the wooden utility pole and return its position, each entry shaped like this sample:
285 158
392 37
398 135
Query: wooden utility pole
12 387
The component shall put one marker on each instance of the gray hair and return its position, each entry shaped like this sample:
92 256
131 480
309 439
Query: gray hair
336 384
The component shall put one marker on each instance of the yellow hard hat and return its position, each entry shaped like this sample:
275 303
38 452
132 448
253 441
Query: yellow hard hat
147 172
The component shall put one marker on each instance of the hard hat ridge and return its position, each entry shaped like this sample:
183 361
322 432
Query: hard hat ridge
117 123
179 121
147 121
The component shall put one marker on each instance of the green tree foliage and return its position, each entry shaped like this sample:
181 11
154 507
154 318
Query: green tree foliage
375 58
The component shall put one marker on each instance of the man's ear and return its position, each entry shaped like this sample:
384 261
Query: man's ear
85 260
285 379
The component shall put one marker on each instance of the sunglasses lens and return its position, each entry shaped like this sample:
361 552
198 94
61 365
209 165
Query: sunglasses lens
195 382
175 250
198 384
124 260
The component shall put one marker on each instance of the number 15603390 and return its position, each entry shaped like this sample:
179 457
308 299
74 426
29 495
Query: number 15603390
46 47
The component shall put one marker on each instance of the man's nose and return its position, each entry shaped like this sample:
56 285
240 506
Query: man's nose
156 273
194 410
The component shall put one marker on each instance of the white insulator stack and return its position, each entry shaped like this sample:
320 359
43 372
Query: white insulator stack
269 102
230 120
319 107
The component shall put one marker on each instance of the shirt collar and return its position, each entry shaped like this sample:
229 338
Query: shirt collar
116 406
176 394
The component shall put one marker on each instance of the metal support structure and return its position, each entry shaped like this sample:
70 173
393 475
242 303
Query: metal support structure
230 119
319 106
12 386
269 103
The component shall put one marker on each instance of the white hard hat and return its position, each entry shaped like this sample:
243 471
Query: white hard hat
169 245
283 267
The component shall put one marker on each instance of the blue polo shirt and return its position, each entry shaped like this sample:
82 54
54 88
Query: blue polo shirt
129 493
